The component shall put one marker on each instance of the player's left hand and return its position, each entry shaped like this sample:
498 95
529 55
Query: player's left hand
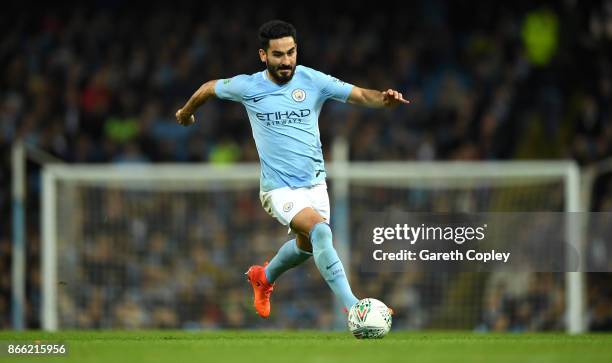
393 98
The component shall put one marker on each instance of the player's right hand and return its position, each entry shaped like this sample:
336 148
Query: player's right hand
183 118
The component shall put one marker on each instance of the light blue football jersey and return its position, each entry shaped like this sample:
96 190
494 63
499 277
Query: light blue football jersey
285 122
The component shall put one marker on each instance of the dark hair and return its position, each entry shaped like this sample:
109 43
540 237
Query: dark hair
275 29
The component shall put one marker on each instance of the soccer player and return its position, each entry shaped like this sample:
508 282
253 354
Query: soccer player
283 103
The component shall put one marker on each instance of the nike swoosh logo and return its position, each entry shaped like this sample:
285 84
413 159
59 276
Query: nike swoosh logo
256 99
330 266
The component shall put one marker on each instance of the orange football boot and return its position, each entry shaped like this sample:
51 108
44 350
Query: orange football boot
262 289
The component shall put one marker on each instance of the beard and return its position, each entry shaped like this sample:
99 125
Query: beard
279 76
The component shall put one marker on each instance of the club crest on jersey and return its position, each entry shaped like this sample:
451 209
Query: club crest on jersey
298 95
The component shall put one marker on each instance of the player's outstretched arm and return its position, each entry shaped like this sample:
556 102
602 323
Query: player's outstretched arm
374 98
184 116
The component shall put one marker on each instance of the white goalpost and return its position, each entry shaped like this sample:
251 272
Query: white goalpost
170 226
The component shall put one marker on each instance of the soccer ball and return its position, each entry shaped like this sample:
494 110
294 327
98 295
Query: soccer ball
369 319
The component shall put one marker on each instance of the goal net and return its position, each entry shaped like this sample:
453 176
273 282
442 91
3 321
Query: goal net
166 246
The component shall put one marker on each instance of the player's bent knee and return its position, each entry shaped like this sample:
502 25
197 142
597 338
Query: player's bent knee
305 220
321 236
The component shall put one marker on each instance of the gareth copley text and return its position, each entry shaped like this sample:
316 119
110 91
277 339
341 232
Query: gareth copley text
456 255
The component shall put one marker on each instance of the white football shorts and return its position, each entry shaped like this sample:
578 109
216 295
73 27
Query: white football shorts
284 203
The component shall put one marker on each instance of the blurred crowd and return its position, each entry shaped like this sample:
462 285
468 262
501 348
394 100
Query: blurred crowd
101 83
163 260
132 258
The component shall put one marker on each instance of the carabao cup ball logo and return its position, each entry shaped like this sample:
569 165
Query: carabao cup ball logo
298 95
362 310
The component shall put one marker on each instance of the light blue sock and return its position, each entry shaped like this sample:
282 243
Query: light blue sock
329 263
288 256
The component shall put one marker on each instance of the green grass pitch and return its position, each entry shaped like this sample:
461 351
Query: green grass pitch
312 346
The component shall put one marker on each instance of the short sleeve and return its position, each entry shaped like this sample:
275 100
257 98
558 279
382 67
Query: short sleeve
332 87
232 88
